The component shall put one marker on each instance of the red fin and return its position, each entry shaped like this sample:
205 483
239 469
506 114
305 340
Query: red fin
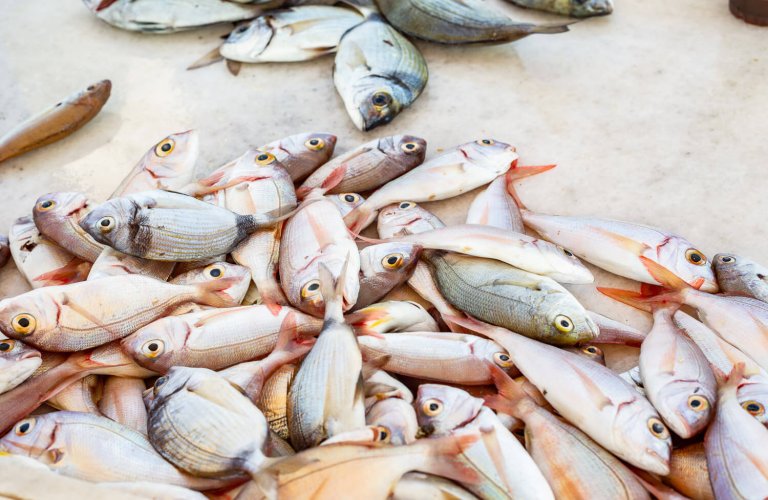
444 460
664 276
508 388
74 271
365 320
359 218
629 297
516 173
215 176
500 404
211 293
274 308
104 4
330 182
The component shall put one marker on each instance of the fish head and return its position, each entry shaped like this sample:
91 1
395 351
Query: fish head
589 8
376 101
33 437
303 152
248 40
97 92
172 159
389 259
490 154
31 316
175 381
304 289
52 208
155 345
686 406
732 270
493 353
642 429
568 268
440 408
753 397
398 417
404 218
216 271
17 362
405 149
589 351
687 262
114 223
346 202
566 321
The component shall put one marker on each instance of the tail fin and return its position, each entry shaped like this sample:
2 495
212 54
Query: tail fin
369 320
510 393
331 181
517 172
549 29
732 380
360 217
332 291
629 297
259 221
272 296
209 58
213 293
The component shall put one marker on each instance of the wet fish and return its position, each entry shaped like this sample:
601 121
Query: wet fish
273 400
149 16
383 268
380 385
419 486
367 167
94 448
202 424
741 276
213 339
17 363
301 154
618 247
450 174
82 396
288 35
590 352
529 304
346 202
260 252
56 123
83 315
573 8
443 410
377 73
406 218
442 357
326 396
397 419
391 316
123 402
57 216
239 276
5 250
458 21
688 472
616 332
165 226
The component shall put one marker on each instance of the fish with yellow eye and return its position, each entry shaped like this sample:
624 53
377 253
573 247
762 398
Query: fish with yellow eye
384 267
239 279
392 316
346 202
17 362
741 276
57 215
302 154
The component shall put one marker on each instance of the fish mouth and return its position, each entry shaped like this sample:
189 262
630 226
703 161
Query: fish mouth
30 355
659 464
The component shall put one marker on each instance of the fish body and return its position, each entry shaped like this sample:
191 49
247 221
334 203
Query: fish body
741 276
495 207
57 215
450 174
123 402
288 35
392 316
573 8
17 363
81 396
689 474
260 253
384 267
301 154
397 418
406 218
273 400
377 73
56 123
239 278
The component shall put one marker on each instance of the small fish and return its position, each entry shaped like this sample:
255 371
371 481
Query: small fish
688 472
260 252
391 316
616 332
573 8
58 122
81 396
450 174
458 21
346 202
442 357
57 216
148 16
288 35
418 486
397 419
377 73
213 339
165 226
383 268
82 315
302 154
406 218
122 402
380 385
326 396
735 444
239 276
273 399
443 410
741 276
17 363
5 250
619 247
202 424
367 167
590 352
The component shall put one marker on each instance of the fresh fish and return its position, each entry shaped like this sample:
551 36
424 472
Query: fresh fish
346 202
688 472
590 352
326 396
741 276
391 316
419 486
213 339
529 304
94 448
573 8
260 253
40 260
450 174
377 73
57 215
443 410
735 444
202 424
5 250
56 123
383 268
239 276
82 396
149 16
616 332
288 35
406 218
619 247
165 226
273 400
122 402
301 154
575 466
316 234
380 385
17 363
442 357
83 315
592 397
397 418
458 21
367 167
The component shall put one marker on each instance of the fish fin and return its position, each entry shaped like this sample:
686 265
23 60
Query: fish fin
367 239
667 278
500 404
520 172
211 293
288 332
332 291
365 321
629 297
597 396
469 323
548 29
209 58
633 246
330 182
72 272
446 462
234 67
732 380
104 4
508 389
658 489
373 365
55 455
360 217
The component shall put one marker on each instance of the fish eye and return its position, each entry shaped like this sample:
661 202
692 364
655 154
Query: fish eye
590 349
567 252
502 359
165 147
7 345
657 428
159 383
381 100
381 434
410 147
46 205
242 29
563 323
486 142
432 407
153 348
406 205
24 324
726 259
695 257
350 197
315 144
393 261
753 408
265 158
24 427
106 224
214 271
310 289
698 403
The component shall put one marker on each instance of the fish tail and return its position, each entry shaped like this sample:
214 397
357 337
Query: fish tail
74 271
332 291
213 293
643 300
260 221
330 182
550 29
445 456
516 173
360 217
730 382
365 321
272 296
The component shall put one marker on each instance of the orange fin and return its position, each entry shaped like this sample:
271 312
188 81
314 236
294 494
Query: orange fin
629 297
359 218
74 271
667 278
636 247
599 399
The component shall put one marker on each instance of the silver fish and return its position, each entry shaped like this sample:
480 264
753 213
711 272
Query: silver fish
398 419
17 363
301 154
346 202
122 402
384 267
81 396
377 73
404 218
57 215
739 275
573 8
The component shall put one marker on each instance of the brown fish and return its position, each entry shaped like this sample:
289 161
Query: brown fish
57 216
301 154
688 472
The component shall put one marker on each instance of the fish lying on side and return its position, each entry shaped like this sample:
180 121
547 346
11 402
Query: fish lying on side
57 216
573 8
239 280
688 472
273 400
122 401
301 154
391 316
383 268
65 118
17 363
82 396
741 276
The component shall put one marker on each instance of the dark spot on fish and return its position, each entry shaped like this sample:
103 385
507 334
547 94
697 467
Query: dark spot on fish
392 260
153 346
388 43
313 287
90 88
24 427
696 258
166 147
752 407
544 392
29 246
349 198
58 104
760 276
504 357
695 403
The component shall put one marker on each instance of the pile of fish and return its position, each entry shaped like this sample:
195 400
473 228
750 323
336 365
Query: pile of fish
234 335
377 71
